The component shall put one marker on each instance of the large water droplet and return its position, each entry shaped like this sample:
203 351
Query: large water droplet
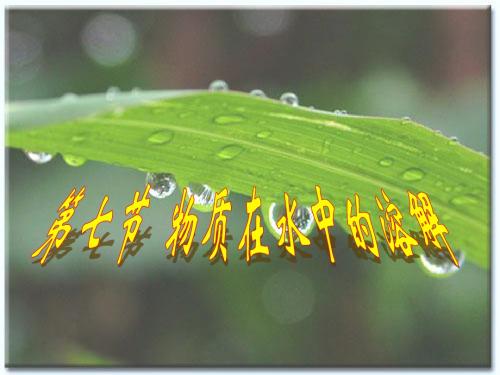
289 98
160 137
386 162
442 265
39 157
230 152
203 195
162 184
259 93
413 174
228 119
264 134
302 218
73 160
463 200
111 93
218 85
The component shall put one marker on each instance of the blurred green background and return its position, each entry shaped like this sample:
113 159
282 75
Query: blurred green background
431 65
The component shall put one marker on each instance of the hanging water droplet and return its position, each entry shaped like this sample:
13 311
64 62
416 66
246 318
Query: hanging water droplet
230 152
218 85
228 119
39 157
69 97
203 195
289 98
264 134
302 218
386 162
73 160
442 265
463 200
259 93
111 93
162 184
413 174
160 137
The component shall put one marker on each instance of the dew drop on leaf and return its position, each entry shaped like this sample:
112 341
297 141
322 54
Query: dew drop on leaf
442 265
203 195
386 162
289 98
264 134
302 218
160 137
259 93
162 184
218 85
463 200
230 152
413 174
39 157
228 119
73 160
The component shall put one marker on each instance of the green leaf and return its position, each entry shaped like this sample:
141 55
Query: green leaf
234 140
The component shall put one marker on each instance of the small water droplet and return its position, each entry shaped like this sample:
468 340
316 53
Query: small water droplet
406 120
413 174
230 152
453 141
463 200
111 93
39 157
73 160
302 218
228 119
160 137
340 112
77 138
442 265
259 93
289 98
386 162
264 134
218 85
203 195
162 184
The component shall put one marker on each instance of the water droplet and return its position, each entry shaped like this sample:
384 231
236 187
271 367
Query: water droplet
228 119
162 184
203 195
453 141
39 157
259 93
161 137
264 134
111 93
463 200
302 218
413 174
406 120
230 152
340 112
386 162
442 265
69 97
218 85
77 138
289 98
73 160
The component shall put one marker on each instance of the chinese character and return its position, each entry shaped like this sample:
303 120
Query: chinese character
184 225
60 226
359 229
256 235
288 227
133 223
429 222
219 241
92 225
325 220
391 222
